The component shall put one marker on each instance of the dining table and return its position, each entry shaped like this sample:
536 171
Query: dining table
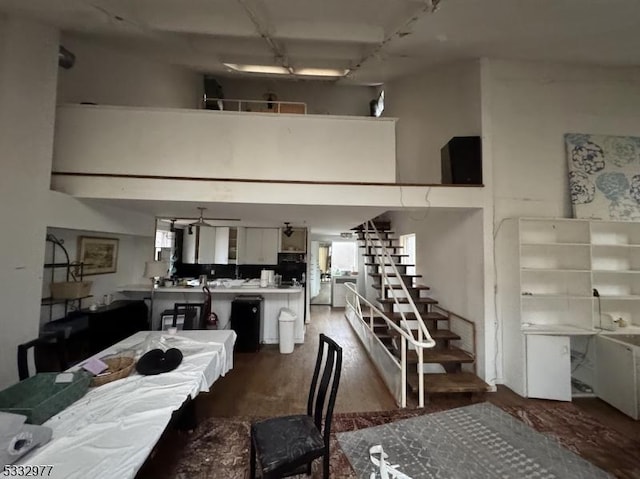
113 428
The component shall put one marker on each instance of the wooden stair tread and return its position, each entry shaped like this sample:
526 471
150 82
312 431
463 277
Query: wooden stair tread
430 316
443 334
406 301
419 287
432 355
463 382
397 265
378 246
379 275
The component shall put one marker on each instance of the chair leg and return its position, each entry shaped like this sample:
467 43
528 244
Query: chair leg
252 460
309 468
325 465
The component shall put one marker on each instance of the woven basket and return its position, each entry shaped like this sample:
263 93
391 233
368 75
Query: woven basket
119 367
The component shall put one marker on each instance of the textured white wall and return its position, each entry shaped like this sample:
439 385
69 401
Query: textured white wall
108 76
450 258
432 107
28 70
203 143
531 106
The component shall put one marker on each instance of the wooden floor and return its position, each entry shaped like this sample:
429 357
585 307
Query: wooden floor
268 383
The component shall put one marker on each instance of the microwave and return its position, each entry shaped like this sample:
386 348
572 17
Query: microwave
291 258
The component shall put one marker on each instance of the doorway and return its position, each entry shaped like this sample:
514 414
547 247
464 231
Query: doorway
322 289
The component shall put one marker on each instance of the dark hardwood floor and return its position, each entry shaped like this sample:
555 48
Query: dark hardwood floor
268 383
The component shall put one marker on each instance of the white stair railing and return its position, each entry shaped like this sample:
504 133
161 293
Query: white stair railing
424 339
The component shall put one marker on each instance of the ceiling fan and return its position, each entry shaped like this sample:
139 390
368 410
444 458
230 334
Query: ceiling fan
201 222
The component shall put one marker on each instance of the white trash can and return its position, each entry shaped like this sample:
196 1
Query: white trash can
286 325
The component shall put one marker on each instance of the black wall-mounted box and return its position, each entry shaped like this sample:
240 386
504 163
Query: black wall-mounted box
461 161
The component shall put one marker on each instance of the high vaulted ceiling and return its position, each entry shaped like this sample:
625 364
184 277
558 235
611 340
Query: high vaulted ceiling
377 39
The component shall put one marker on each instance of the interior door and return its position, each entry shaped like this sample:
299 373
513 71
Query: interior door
549 367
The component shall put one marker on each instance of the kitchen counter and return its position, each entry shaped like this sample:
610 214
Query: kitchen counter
249 289
274 299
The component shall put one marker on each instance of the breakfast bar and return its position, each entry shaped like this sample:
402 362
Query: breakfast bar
223 294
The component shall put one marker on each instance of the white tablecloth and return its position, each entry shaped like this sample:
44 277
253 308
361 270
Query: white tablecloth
110 431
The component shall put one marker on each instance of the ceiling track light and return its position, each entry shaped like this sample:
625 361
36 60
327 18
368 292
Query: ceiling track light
288 230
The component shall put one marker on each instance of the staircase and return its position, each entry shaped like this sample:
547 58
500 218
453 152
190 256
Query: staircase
449 366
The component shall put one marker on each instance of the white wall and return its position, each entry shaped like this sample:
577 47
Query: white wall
450 258
321 97
108 76
64 211
203 143
133 251
531 106
432 107
28 70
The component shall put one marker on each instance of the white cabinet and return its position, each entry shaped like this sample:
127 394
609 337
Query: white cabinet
260 246
198 246
212 245
549 367
221 248
617 373
567 278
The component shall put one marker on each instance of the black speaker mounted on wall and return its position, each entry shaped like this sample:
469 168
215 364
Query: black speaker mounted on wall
461 161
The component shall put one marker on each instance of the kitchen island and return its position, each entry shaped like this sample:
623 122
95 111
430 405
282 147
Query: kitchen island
274 299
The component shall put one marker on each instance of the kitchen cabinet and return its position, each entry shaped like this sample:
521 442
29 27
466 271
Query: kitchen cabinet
295 242
215 245
260 246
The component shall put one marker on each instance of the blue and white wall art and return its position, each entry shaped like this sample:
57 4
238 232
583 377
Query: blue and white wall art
604 176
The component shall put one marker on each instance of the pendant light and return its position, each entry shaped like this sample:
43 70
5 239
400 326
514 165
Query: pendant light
201 222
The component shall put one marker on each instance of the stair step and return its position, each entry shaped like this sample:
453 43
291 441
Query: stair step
380 226
430 316
388 247
440 334
418 287
406 301
389 264
441 356
399 255
379 275
463 382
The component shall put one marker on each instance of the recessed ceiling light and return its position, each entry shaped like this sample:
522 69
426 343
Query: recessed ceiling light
272 69
321 72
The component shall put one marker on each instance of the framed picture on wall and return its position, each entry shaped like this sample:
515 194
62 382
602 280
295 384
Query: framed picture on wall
98 255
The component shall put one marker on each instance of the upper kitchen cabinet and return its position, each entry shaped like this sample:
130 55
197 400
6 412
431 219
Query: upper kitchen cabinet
215 245
259 246
293 240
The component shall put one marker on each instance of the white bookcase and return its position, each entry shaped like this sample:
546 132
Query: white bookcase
560 282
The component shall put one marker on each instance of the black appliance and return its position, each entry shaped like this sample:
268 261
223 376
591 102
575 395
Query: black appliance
291 258
461 161
246 318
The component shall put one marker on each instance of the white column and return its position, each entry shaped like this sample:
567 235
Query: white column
28 76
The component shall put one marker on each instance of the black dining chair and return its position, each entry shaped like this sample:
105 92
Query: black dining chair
288 445
192 315
49 351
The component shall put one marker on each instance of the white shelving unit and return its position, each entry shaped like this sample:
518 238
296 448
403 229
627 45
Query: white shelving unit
560 282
